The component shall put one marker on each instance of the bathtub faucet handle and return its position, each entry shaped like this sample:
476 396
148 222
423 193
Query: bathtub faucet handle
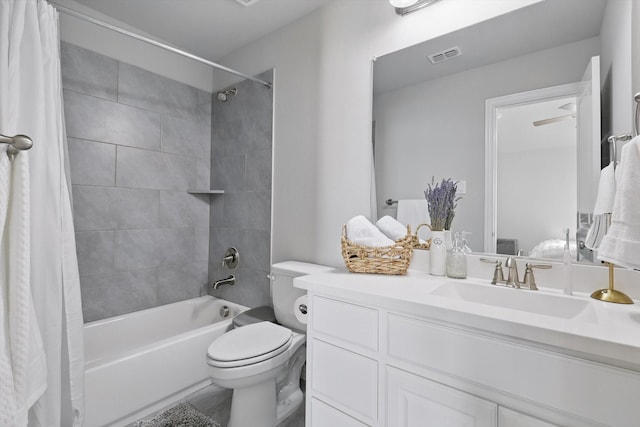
231 280
231 258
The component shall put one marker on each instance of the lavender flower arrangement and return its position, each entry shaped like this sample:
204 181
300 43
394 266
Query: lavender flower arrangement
441 201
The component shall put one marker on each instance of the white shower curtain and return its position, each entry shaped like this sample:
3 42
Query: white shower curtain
31 104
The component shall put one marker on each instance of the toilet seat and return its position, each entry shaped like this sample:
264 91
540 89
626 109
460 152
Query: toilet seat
249 345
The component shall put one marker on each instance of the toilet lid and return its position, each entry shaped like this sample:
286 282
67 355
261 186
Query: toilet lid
249 344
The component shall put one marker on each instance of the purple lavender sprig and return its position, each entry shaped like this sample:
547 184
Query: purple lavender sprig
441 201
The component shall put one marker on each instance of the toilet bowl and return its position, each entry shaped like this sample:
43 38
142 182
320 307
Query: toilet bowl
256 362
262 360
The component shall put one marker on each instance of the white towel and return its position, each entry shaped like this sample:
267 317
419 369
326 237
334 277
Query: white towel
604 205
597 231
22 358
414 213
621 245
361 231
606 191
391 227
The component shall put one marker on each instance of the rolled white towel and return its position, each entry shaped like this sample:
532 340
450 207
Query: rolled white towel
391 227
361 231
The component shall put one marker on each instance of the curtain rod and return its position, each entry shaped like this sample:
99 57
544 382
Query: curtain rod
148 40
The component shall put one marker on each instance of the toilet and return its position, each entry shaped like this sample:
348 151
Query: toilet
262 357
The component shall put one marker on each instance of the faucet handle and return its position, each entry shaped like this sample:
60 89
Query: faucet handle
231 258
529 280
498 275
541 266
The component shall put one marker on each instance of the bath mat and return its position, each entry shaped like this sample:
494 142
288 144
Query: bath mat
181 415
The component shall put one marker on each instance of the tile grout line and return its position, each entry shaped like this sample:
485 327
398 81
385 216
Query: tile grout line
115 169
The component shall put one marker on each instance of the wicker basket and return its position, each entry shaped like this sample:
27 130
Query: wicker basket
416 240
393 259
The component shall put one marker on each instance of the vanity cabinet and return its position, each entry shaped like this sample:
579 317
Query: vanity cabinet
413 401
509 418
325 415
345 379
368 365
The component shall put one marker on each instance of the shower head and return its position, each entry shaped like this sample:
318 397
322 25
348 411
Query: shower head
224 95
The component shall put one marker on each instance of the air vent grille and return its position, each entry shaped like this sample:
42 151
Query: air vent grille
247 2
444 55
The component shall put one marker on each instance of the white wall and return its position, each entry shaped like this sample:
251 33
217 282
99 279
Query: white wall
437 128
322 101
323 91
129 50
293 53
616 49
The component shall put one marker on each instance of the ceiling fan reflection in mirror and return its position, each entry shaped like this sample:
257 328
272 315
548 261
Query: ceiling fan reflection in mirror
405 7
571 106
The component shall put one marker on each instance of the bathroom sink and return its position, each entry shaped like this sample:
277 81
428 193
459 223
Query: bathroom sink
518 299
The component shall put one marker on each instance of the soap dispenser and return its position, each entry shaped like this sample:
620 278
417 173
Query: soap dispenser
465 242
457 258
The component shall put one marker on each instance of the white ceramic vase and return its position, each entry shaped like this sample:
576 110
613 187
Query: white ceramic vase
438 254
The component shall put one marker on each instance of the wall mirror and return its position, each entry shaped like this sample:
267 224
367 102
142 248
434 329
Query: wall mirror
517 78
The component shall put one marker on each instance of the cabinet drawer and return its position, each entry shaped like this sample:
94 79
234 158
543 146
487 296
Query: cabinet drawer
504 366
344 379
414 401
350 323
323 415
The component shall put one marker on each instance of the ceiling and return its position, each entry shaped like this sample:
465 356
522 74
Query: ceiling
208 28
533 28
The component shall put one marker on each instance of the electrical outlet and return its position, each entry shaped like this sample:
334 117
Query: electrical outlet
247 2
461 187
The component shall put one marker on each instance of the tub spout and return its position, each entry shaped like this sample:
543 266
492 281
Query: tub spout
231 280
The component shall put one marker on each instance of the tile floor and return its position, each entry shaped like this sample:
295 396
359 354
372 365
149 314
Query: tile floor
216 403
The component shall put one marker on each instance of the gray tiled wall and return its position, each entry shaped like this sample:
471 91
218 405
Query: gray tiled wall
137 142
241 165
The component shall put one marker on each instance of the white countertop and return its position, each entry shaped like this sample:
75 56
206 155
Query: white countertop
610 335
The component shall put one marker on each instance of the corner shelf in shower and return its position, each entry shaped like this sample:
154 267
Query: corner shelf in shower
205 191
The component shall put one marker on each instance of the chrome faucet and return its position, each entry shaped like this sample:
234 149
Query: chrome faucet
231 280
512 276
513 280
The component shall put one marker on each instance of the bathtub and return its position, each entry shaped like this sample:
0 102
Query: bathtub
138 363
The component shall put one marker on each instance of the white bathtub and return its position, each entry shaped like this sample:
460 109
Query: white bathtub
140 362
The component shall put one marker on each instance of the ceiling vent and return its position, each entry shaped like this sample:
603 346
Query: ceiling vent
247 2
445 55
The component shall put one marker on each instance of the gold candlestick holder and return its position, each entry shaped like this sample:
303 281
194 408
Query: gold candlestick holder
610 294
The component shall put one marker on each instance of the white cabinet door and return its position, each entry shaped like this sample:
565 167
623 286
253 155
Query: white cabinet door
510 418
323 415
413 401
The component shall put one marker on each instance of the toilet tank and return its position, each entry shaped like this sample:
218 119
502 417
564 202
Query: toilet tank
284 294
